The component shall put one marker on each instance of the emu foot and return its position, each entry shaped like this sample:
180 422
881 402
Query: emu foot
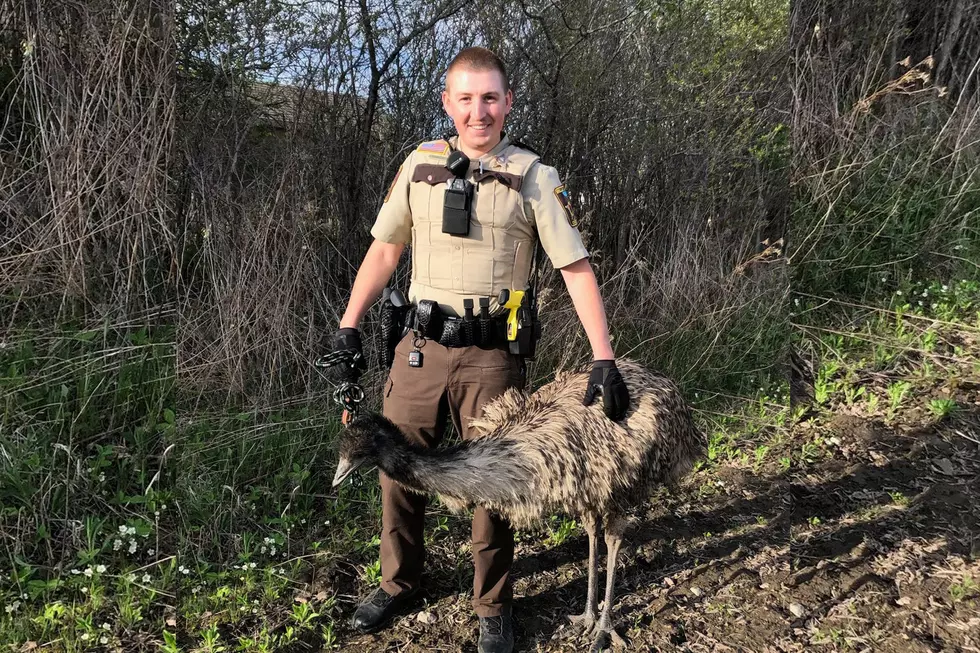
582 624
600 638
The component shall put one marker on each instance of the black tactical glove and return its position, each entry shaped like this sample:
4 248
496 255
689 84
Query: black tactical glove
605 378
348 339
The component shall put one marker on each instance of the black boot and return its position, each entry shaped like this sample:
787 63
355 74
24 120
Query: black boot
375 611
497 634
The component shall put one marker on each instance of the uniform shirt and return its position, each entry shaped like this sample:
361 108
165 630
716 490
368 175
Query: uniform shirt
547 207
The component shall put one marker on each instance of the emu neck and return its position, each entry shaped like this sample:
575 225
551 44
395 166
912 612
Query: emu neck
478 471
421 470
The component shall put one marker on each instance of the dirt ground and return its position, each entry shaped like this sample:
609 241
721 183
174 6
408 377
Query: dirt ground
873 544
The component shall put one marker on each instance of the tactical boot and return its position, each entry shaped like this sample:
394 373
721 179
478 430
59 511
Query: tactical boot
497 634
375 611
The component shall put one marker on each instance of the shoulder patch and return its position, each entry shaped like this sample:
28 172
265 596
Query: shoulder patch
434 147
392 187
565 199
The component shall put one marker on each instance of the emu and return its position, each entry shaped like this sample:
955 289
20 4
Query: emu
545 452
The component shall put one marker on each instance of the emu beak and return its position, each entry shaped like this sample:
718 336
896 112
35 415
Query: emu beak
344 469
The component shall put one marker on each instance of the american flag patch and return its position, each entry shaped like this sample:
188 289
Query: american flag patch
436 147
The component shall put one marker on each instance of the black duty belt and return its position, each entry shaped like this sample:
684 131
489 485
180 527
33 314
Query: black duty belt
427 320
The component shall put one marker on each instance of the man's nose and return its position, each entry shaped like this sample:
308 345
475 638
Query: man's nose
478 110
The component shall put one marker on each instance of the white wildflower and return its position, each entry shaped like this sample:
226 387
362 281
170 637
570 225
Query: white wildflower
103 640
130 530
150 552
147 578
100 569
116 545
273 551
251 565
84 637
132 546
88 572
262 550
84 590
101 478
75 571
106 626
122 530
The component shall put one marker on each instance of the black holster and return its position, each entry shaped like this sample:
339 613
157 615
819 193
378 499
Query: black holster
528 332
392 330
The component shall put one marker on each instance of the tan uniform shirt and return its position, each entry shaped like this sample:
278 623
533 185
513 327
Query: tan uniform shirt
502 228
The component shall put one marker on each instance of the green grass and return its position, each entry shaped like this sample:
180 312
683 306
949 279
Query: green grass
964 590
942 407
560 529
88 425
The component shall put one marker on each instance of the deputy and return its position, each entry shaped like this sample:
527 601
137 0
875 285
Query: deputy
516 200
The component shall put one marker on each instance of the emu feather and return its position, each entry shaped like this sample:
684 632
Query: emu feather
545 452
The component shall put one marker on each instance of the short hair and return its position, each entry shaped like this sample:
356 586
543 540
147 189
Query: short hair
478 59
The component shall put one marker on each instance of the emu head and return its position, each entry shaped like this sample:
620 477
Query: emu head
360 443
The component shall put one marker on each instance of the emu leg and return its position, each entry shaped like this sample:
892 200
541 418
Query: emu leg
614 538
584 623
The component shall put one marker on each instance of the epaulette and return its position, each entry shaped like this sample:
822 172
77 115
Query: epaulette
524 146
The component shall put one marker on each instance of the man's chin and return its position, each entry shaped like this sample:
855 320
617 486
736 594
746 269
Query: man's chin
480 140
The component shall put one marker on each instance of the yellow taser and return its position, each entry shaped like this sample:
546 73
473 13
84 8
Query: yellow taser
511 300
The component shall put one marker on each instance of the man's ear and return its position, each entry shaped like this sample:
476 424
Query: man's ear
508 102
445 102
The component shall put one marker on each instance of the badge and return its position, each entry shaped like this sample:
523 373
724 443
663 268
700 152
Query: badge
392 187
565 199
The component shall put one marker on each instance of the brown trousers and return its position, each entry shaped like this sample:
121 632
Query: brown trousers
453 383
